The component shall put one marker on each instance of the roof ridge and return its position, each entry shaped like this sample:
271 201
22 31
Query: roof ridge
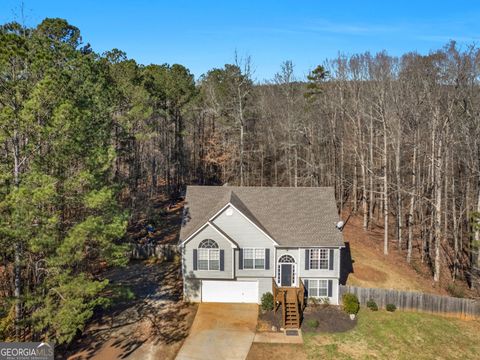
236 201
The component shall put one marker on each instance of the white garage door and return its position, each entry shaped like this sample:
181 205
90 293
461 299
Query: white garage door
230 291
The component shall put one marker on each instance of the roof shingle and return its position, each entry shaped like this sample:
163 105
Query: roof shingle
301 216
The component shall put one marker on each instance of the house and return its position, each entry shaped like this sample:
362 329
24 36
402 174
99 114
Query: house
238 243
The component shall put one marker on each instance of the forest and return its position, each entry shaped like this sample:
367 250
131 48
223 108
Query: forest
87 139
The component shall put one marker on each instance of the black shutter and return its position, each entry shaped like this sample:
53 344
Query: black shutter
305 283
330 284
195 259
330 263
307 259
222 260
240 259
267 259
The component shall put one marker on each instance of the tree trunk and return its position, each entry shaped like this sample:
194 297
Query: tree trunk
412 202
438 210
295 179
354 185
399 194
370 173
364 193
455 225
18 245
477 230
241 154
385 190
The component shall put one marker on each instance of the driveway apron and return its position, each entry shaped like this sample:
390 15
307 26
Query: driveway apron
220 331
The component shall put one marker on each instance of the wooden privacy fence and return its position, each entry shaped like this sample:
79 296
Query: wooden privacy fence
164 252
417 301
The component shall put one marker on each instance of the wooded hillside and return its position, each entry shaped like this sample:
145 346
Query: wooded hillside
87 139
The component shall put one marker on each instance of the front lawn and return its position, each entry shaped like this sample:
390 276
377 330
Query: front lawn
398 335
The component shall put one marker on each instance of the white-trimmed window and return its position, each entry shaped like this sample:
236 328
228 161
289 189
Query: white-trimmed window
317 288
319 259
254 258
208 255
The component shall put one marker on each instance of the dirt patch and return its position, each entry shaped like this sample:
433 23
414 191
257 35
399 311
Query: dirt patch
371 268
268 319
261 351
153 325
331 319
158 223
368 273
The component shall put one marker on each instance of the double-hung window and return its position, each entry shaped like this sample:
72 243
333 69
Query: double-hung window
253 258
208 255
319 259
317 288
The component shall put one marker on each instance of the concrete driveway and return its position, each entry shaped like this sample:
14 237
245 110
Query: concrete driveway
220 331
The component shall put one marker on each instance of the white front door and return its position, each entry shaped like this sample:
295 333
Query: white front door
230 291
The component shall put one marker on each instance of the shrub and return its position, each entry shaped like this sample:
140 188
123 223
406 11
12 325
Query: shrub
350 303
391 307
177 259
313 301
455 290
120 294
267 301
325 301
372 305
312 323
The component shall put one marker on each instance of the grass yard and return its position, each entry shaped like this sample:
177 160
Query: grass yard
399 335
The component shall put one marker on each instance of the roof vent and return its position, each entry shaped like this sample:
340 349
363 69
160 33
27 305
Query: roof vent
340 225
229 212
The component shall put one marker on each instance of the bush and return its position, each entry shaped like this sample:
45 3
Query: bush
177 259
267 301
312 323
350 303
325 301
372 305
391 307
455 291
313 301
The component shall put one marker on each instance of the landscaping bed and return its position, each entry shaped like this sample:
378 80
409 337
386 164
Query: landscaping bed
269 321
329 319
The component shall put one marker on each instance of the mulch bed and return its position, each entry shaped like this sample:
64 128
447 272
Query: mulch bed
269 319
331 319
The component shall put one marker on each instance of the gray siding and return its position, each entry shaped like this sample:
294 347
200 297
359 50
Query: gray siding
334 298
335 273
187 255
246 235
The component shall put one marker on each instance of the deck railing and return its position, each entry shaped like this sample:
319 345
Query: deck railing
291 294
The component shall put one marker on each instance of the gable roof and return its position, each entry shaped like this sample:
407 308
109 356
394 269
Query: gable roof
291 216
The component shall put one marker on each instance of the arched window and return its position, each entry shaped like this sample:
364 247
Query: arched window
286 259
208 255
208 244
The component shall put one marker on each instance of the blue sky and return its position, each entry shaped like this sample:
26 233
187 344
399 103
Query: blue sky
205 34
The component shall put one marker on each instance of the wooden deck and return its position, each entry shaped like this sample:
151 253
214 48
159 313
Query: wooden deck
291 300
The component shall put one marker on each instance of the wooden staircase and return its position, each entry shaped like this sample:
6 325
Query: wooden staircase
292 302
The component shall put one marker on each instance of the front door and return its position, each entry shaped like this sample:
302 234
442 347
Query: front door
286 278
